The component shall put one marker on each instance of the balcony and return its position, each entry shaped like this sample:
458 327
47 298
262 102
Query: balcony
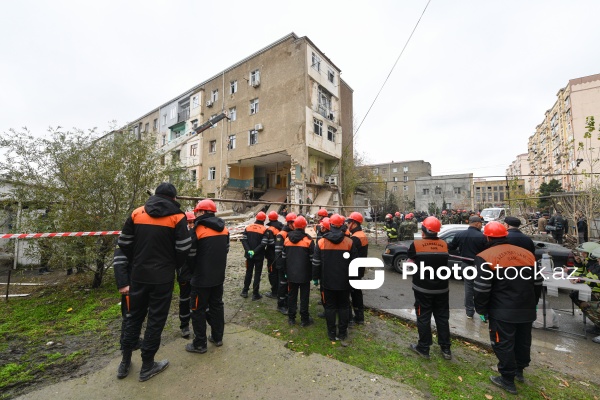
183 115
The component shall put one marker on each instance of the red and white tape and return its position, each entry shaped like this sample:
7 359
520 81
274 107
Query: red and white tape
56 234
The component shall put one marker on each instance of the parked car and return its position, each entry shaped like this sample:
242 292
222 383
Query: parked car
395 253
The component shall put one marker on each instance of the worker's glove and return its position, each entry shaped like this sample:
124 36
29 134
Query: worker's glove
483 319
316 282
250 253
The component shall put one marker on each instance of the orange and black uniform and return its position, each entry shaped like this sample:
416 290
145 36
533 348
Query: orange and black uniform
207 260
254 239
282 289
297 254
431 293
155 239
122 270
273 229
332 269
362 244
507 290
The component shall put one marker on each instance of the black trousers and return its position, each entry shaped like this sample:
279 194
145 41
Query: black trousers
185 289
356 295
293 300
273 276
336 304
253 265
200 300
282 289
511 343
438 305
153 301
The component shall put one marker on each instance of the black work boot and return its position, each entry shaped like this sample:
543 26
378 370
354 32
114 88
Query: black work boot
150 369
519 376
503 383
125 365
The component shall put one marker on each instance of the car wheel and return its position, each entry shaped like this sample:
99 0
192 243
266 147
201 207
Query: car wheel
398 267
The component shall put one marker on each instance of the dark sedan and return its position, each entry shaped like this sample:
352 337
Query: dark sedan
395 253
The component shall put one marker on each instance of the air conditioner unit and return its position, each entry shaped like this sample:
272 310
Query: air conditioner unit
209 103
258 127
332 180
330 116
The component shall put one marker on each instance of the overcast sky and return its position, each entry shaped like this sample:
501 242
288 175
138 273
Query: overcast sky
468 91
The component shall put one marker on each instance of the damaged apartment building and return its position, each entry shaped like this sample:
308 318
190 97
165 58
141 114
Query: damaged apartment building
288 125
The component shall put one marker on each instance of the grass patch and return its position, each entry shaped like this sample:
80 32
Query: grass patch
381 347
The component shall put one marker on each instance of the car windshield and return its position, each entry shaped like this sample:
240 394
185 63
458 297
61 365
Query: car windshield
490 213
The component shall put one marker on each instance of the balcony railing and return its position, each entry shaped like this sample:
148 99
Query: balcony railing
183 115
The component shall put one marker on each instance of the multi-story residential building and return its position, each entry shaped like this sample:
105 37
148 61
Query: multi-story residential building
289 123
444 191
553 150
519 169
496 193
400 177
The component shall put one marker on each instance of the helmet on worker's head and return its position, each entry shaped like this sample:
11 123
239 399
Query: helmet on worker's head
388 216
273 216
431 225
408 216
336 220
444 212
300 223
290 217
206 205
189 215
356 217
595 254
495 229
322 212
397 213
587 247
261 216
325 224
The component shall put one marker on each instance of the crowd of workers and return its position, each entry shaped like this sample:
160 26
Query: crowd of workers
160 243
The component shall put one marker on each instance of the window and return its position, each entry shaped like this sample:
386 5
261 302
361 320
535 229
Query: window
212 173
194 125
324 102
438 190
376 171
162 160
193 175
253 106
330 76
318 127
173 113
194 149
384 170
164 139
255 78
456 190
232 114
155 123
214 96
164 119
567 102
395 189
394 169
425 191
331 133
195 101
147 127
320 169
231 142
405 188
176 155
212 146
232 87
136 130
395 179
253 137
405 178
316 62
405 169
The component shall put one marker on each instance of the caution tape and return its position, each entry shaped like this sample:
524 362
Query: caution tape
57 234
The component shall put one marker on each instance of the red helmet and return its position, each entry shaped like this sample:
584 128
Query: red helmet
408 216
206 205
397 213
444 212
432 224
261 216
495 229
189 215
325 224
388 216
356 216
322 212
273 216
300 223
337 220
290 217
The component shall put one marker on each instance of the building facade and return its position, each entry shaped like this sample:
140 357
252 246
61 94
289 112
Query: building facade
496 193
553 150
289 124
444 192
400 177
519 169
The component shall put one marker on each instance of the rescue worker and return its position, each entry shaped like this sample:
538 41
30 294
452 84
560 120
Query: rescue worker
207 259
282 288
516 237
542 223
390 228
322 213
431 292
582 256
254 241
397 218
184 275
591 308
296 261
507 290
560 226
408 228
445 220
470 242
331 264
324 228
361 242
273 229
155 239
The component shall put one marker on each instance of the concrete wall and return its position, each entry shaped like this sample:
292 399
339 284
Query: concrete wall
447 184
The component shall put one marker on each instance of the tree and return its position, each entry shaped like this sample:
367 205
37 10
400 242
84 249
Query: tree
80 181
544 202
